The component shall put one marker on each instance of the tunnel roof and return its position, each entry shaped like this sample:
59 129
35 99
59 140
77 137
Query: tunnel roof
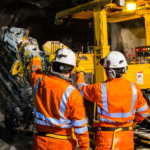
114 13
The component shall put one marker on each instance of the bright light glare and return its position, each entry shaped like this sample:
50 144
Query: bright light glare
131 6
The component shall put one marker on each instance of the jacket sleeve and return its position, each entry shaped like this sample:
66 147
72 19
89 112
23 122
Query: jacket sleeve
77 115
141 107
36 72
88 91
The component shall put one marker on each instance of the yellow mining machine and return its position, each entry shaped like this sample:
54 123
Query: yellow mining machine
103 11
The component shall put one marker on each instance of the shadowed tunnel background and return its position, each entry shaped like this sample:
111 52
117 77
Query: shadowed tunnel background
38 17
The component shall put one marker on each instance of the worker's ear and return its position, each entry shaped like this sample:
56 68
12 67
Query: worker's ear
72 71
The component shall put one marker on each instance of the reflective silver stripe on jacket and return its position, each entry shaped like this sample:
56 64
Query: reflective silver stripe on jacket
63 122
32 69
81 90
105 111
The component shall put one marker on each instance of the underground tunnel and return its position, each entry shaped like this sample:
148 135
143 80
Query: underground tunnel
38 17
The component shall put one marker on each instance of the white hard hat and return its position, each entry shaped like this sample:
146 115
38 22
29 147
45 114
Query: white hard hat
65 56
116 60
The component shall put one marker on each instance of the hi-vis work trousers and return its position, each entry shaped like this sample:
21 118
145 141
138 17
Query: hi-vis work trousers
123 140
47 143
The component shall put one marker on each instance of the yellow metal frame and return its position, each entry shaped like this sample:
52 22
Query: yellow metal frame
142 136
112 13
101 48
147 28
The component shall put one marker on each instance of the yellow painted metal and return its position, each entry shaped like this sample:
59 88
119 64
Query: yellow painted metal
80 8
123 18
101 48
132 74
143 141
86 61
83 15
17 68
142 135
51 46
147 28
114 13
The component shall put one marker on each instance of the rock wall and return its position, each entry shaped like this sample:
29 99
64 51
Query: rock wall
125 36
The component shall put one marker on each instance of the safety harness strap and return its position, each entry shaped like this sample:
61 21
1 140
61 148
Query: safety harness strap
62 137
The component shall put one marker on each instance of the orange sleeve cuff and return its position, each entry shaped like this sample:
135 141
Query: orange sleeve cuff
35 62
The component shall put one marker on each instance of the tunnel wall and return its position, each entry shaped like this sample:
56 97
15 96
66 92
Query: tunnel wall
127 35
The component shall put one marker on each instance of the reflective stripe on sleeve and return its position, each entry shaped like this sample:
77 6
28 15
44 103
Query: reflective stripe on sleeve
32 69
37 84
134 95
82 89
81 130
64 101
144 108
144 115
79 122
35 89
104 97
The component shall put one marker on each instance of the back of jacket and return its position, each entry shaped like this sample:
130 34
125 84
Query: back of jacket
58 106
117 99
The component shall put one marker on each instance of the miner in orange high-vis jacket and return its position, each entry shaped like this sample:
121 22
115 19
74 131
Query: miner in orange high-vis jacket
58 105
118 100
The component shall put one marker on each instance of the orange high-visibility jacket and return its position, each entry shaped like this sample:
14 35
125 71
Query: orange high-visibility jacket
58 106
117 100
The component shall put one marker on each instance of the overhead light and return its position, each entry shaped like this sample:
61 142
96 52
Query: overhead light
131 6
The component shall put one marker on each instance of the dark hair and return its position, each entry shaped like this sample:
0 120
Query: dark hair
62 68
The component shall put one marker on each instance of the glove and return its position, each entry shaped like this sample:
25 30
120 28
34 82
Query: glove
134 124
37 57
79 69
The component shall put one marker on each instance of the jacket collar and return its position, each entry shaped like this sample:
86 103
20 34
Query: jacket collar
59 75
